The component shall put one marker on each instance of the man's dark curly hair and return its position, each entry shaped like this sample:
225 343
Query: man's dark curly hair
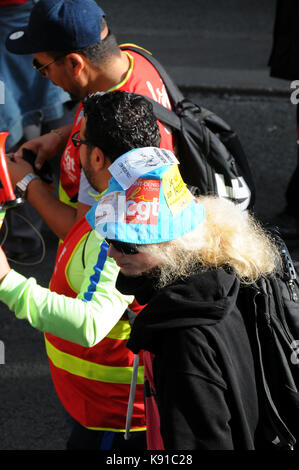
119 121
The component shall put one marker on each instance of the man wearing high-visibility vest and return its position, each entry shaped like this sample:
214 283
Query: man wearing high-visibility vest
74 48
83 315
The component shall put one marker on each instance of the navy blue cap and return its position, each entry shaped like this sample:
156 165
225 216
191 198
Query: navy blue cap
58 25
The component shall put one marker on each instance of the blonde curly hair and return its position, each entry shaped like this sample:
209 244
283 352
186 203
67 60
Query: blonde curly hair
228 237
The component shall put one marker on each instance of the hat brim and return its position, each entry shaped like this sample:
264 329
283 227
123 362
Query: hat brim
21 44
147 212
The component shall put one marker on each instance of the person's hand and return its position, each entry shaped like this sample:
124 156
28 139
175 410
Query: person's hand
18 168
4 266
46 147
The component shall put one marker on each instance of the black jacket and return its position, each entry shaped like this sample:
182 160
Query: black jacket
203 367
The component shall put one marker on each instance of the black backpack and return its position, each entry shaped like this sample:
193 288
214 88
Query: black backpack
270 310
210 153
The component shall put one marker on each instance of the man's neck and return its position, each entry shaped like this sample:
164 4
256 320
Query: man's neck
110 75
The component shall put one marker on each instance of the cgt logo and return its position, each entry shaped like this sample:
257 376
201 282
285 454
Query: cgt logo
142 205
143 212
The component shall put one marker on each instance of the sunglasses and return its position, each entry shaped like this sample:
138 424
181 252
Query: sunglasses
77 141
122 247
42 69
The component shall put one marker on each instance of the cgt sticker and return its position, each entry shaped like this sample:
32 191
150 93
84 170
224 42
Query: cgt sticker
142 205
130 166
138 205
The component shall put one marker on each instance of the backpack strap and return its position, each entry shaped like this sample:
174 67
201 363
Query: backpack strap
289 269
173 91
165 115
180 103
192 120
131 316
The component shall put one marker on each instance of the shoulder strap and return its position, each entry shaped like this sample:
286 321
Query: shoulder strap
289 269
165 115
162 114
173 91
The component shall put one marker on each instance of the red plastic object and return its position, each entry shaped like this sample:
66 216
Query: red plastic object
7 195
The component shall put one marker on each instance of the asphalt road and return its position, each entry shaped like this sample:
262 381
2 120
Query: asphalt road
217 51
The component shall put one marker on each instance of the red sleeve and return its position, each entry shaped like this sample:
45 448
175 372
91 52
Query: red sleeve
8 3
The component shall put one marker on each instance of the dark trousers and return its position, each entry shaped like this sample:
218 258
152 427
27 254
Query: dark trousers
82 438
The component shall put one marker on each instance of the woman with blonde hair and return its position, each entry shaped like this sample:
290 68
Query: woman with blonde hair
227 237
186 258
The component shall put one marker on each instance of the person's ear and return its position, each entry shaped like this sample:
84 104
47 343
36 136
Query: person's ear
104 33
98 160
75 63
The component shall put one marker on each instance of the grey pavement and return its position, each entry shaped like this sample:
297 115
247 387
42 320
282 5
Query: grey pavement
217 52
206 45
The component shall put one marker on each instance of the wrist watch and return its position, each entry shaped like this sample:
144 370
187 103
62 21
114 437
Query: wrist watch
21 186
